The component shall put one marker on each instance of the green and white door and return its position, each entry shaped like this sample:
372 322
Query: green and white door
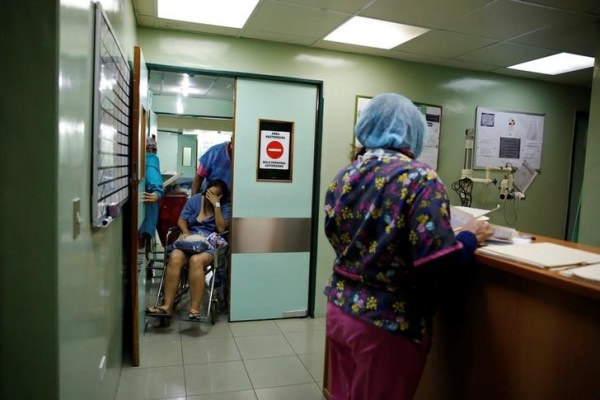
272 218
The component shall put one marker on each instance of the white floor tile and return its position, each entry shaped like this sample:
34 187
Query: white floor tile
307 342
277 371
210 351
252 328
253 360
151 383
321 320
243 395
296 392
216 378
157 334
299 325
314 363
161 354
263 346
195 330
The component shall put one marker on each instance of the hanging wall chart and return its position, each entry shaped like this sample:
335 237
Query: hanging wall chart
111 133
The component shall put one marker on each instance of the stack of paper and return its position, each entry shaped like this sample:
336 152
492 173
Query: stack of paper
590 273
542 255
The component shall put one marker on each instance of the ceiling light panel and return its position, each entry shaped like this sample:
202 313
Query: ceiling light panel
370 32
556 64
228 13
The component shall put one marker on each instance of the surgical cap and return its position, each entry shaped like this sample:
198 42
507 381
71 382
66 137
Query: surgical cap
391 121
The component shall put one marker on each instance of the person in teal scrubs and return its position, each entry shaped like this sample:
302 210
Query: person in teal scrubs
153 192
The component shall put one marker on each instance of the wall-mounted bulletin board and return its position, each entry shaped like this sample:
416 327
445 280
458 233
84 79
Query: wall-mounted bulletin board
431 147
433 116
275 150
111 124
503 137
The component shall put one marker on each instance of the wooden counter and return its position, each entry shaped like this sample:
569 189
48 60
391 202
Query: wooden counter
512 332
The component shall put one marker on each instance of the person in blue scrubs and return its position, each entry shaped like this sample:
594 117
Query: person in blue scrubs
214 164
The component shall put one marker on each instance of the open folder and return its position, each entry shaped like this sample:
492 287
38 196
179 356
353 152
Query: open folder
460 215
542 255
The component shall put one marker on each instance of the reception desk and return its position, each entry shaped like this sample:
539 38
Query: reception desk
512 332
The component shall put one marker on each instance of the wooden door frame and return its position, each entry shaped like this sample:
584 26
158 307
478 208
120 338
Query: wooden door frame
136 174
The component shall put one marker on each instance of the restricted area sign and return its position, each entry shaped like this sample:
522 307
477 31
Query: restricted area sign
275 151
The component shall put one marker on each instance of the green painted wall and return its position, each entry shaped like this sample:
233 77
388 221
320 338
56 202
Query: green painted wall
590 197
90 268
459 92
61 298
28 250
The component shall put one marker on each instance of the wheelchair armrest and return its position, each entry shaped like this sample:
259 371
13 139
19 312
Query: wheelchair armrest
174 230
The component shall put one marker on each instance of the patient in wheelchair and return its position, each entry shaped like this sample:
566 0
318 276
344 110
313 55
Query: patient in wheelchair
204 216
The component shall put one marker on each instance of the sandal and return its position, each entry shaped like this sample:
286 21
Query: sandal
195 316
157 312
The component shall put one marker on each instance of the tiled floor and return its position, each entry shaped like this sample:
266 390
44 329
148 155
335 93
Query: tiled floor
258 360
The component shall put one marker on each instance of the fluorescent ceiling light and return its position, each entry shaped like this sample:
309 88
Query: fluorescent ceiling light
229 13
374 33
556 64
169 90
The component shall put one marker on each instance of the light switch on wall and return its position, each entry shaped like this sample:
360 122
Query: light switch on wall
77 220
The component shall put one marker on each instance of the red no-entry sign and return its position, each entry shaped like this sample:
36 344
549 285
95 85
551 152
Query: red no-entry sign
274 149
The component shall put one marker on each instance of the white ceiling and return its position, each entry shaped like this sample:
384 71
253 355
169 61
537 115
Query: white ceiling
482 35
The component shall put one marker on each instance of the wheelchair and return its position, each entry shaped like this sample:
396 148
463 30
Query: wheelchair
215 296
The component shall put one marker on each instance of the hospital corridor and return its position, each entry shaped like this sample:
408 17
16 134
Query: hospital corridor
264 360
300 199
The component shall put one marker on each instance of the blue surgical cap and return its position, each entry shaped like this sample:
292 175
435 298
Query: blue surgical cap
391 121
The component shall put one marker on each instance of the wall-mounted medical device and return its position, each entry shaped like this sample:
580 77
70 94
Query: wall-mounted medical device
513 184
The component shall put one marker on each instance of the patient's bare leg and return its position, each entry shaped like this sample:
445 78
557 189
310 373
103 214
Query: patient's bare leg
177 260
198 262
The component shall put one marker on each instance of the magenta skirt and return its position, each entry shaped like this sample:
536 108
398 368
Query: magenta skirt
369 363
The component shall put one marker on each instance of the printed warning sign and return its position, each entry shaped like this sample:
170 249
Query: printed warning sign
275 150
275 154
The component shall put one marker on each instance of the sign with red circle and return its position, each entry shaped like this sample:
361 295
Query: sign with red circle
274 149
